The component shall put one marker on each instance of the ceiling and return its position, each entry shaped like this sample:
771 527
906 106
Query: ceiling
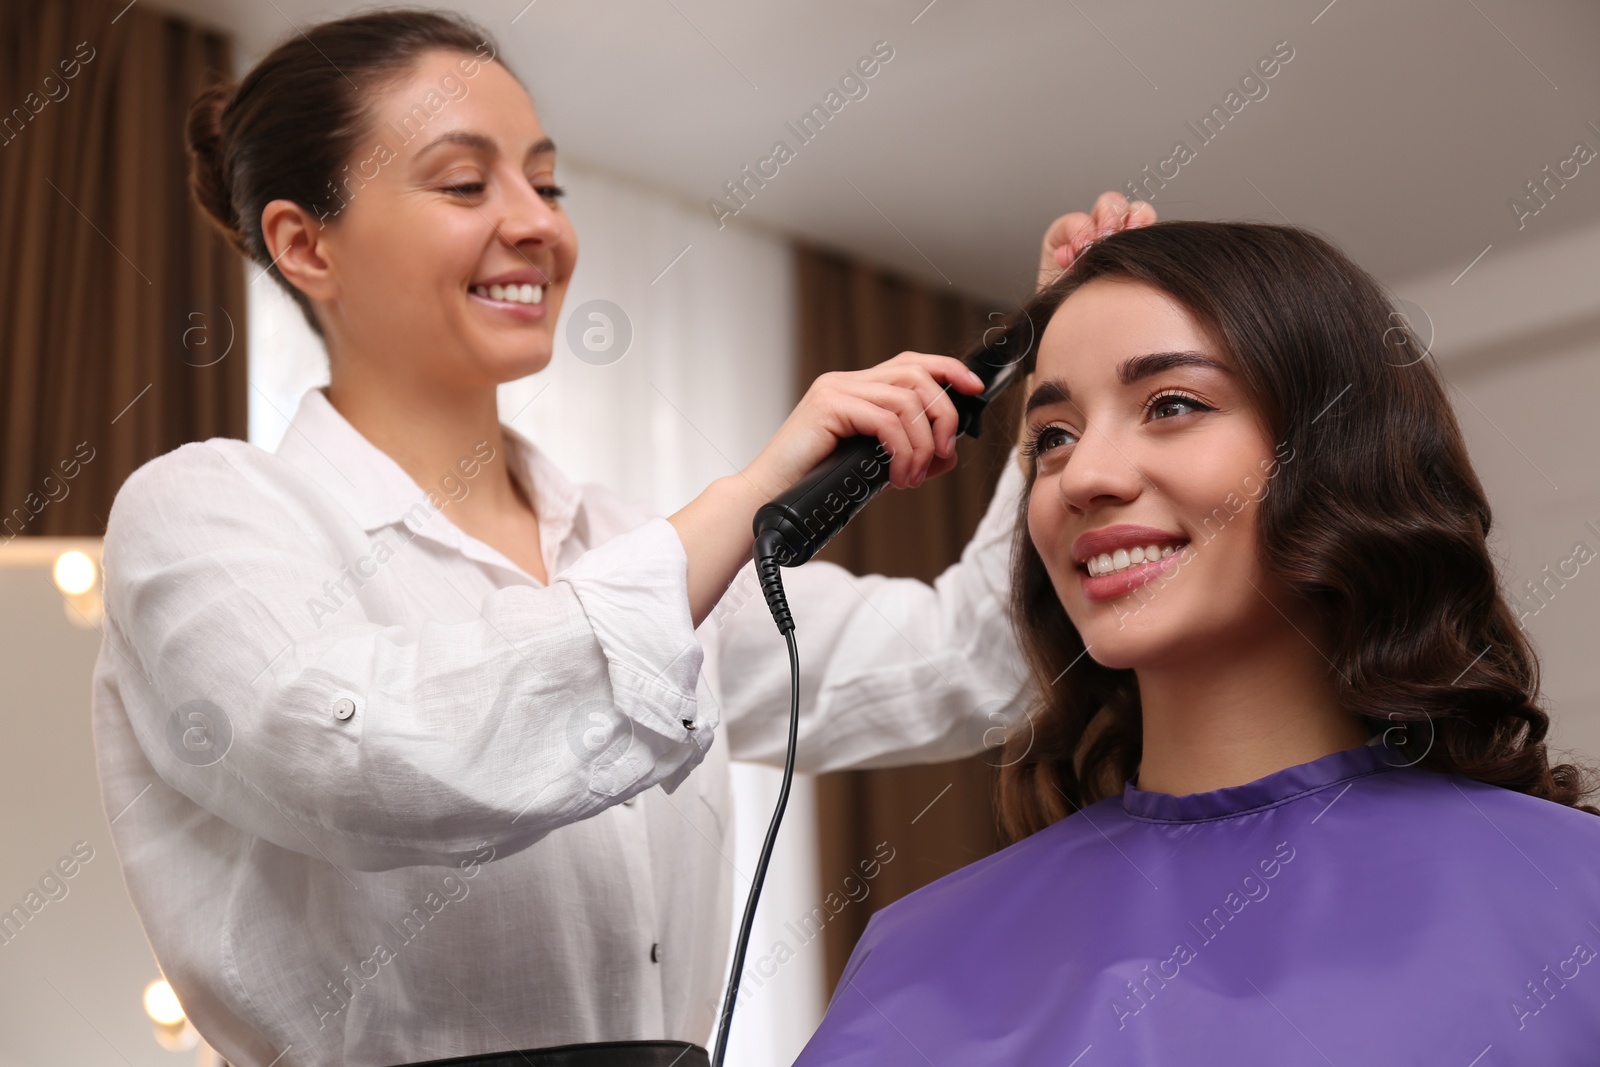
1400 131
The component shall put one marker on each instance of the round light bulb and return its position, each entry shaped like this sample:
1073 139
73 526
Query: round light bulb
161 1003
74 573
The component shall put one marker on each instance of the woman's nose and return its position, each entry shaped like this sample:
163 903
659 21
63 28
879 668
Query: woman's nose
528 215
1099 471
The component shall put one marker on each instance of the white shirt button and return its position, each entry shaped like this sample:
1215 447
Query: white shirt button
343 708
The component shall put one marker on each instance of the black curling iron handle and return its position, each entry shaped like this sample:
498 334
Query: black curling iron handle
814 509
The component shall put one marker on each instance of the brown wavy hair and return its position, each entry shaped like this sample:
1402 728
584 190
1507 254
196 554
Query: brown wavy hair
1378 521
298 117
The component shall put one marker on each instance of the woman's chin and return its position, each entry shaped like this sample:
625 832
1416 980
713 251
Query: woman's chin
1124 642
1116 657
506 362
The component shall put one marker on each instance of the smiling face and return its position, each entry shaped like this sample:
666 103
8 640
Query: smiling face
1145 438
427 225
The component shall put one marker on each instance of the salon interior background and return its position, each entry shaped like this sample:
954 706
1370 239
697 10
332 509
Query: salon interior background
1448 145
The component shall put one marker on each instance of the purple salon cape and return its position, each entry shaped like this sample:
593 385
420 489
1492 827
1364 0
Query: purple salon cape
1352 911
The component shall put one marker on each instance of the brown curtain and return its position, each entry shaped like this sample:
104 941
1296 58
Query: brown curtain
938 817
122 315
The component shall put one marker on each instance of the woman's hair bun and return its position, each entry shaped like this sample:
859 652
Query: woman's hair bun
209 176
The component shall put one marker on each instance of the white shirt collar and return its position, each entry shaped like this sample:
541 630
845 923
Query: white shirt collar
378 492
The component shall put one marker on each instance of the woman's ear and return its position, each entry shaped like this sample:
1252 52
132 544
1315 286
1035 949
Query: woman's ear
295 243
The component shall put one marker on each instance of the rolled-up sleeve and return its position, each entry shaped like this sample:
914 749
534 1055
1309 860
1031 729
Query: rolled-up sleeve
893 671
378 744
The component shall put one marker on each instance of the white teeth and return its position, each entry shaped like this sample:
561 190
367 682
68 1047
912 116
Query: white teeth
1120 560
515 294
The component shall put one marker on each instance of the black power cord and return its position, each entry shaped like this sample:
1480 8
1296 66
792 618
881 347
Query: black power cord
769 556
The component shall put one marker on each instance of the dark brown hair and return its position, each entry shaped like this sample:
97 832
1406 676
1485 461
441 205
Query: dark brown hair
300 114
1376 519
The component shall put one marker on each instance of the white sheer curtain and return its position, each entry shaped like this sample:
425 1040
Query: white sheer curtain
705 381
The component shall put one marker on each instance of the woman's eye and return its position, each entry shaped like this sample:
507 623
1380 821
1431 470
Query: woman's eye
1044 440
548 192
1170 401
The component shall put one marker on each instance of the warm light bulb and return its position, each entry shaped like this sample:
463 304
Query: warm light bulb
161 1003
74 573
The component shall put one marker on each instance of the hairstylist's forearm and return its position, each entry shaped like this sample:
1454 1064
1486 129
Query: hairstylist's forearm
716 530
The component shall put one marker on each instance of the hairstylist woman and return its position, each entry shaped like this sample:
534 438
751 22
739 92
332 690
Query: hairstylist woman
381 779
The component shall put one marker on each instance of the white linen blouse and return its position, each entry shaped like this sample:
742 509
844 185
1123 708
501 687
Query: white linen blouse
380 796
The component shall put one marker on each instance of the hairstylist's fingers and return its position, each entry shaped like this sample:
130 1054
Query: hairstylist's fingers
915 420
937 411
940 412
935 373
1058 236
1110 211
858 404
928 375
866 416
1069 235
942 368
905 405
1113 212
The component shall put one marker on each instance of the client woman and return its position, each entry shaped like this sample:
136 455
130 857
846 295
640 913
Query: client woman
1287 797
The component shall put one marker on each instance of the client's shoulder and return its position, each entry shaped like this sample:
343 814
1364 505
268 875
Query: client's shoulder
1460 822
1466 794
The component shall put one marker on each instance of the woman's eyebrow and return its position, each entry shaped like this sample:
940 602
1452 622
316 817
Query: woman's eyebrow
483 144
1055 391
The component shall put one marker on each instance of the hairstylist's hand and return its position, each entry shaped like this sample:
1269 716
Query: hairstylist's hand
901 402
1070 234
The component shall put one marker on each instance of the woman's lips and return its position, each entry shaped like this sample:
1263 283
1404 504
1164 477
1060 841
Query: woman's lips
1111 586
522 312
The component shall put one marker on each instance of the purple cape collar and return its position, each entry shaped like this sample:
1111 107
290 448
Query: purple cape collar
1276 788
